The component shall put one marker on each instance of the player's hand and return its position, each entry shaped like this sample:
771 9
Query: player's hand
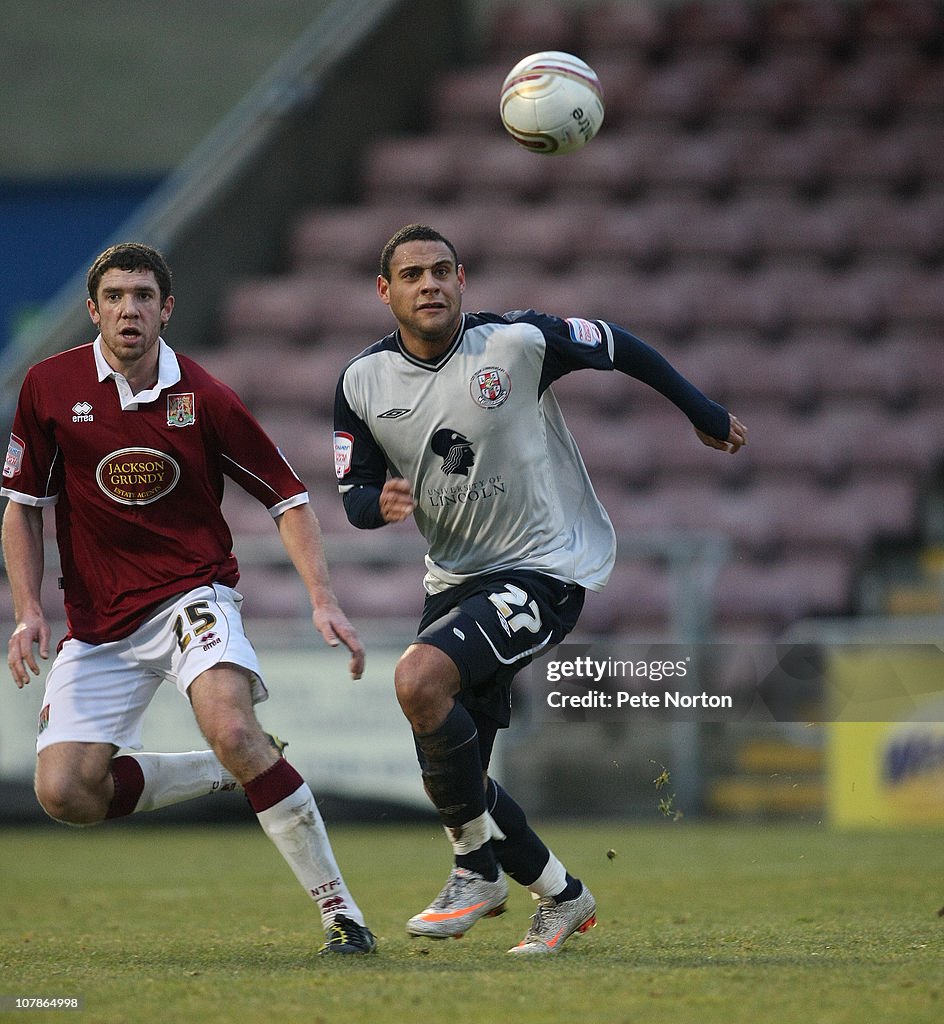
737 437
333 625
396 500
21 655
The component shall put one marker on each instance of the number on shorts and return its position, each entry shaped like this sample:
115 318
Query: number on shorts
200 619
514 597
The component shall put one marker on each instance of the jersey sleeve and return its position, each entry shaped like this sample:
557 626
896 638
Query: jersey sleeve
570 344
252 459
574 344
358 459
32 470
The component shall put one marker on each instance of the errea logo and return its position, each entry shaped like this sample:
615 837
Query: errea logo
82 413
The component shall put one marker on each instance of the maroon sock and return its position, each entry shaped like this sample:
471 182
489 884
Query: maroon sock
129 785
273 786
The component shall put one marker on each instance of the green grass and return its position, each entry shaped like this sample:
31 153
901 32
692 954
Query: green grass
697 923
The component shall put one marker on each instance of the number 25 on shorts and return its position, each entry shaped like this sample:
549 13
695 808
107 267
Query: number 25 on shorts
199 620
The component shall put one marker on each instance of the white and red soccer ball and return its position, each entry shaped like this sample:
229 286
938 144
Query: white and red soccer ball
552 103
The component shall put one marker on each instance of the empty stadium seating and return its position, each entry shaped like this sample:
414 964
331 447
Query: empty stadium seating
765 204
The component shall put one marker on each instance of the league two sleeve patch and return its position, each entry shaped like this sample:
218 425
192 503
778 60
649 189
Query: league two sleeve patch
13 463
584 332
343 453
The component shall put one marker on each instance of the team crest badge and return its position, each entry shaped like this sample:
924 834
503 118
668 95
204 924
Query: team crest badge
181 410
490 386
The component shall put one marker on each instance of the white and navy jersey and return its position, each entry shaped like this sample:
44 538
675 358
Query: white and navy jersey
497 479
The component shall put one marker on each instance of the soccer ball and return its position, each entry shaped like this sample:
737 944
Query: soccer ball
552 103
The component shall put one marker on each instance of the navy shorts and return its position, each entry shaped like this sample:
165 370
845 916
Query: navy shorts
492 626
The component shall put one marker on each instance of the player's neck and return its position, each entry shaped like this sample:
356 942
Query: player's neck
429 349
140 374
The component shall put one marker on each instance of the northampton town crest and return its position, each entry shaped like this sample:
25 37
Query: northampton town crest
180 410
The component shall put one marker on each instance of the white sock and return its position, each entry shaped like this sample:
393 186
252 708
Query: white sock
552 879
173 778
296 827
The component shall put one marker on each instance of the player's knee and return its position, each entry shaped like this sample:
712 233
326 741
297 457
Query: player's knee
426 681
232 736
69 800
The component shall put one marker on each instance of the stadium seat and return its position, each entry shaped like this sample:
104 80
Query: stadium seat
921 94
773 90
913 21
518 29
708 233
920 299
299 307
370 592
771 161
304 440
412 168
635 234
638 596
793 230
496 166
867 87
795 22
777 593
723 298
733 25
347 237
621 28
863 158
613 168
679 92
903 229
467 98
271 592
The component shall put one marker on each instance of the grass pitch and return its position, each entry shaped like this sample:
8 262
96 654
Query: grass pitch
697 923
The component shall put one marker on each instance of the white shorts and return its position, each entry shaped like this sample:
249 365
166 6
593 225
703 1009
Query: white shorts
98 693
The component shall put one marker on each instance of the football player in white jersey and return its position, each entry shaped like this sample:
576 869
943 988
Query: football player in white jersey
451 419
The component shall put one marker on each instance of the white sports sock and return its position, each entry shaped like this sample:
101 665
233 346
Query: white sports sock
173 778
297 829
551 880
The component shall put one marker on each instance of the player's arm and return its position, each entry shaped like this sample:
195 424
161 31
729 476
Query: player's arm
369 506
576 344
713 424
23 555
370 499
300 533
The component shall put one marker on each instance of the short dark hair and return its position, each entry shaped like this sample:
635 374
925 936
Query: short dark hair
412 233
130 256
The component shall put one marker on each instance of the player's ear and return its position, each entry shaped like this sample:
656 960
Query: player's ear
460 274
93 312
383 289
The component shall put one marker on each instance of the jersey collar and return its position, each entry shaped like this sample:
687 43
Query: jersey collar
168 374
439 361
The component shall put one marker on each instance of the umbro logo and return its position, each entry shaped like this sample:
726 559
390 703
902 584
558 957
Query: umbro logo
82 413
393 414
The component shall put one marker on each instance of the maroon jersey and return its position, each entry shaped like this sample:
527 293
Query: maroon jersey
137 481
